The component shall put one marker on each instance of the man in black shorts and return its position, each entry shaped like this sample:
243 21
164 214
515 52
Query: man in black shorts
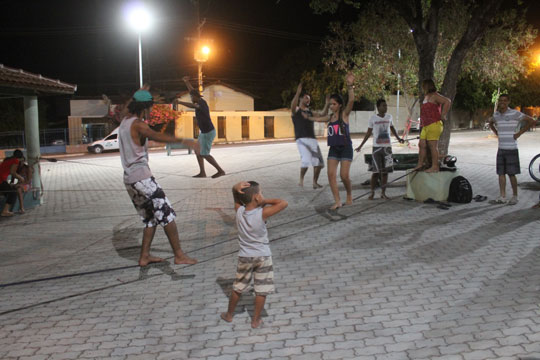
504 124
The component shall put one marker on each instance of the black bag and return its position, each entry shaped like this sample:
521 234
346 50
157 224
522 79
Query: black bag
460 190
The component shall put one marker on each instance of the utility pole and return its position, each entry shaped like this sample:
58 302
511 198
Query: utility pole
201 51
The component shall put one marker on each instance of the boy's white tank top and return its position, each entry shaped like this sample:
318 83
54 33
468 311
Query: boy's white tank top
252 233
134 157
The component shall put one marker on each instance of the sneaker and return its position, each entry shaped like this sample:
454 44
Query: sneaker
513 200
499 200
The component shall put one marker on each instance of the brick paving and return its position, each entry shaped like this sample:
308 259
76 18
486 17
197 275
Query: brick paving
380 280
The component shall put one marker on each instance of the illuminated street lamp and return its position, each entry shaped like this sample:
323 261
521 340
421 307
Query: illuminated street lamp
139 19
201 56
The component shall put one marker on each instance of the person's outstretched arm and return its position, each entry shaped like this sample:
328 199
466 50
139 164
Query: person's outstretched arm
366 137
294 102
272 207
349 79
143 129
188 104
188 84
324 110
325 118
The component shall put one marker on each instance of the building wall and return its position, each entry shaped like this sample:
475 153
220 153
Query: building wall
283 127
222 98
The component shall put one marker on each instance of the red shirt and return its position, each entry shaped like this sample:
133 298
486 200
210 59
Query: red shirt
429 113
5 168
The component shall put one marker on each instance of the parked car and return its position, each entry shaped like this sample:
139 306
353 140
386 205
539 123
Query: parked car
110 142
58 142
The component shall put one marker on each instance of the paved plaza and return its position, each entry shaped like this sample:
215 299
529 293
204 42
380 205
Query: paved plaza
378 280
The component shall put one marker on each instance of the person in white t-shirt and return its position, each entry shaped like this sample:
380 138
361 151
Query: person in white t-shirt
504 124
254 257
382 162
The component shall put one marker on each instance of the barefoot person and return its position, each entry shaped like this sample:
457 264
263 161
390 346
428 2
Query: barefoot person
254 257
9 167
304 133
382 163
432 115
339 140
208 132
145 193
504 123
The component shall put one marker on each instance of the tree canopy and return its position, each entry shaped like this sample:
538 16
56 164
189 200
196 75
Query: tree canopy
437 39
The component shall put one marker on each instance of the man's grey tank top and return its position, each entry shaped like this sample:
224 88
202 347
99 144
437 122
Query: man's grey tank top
134 157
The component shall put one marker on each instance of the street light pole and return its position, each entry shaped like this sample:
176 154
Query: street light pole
140 19
140 62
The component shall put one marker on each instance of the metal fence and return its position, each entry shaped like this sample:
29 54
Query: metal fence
47 137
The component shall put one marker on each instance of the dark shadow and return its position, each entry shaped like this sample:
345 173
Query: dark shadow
530 185
448 248
125 243
245 304
227 219
332 215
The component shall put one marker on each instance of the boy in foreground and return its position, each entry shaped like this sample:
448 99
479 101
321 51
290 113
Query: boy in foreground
254 257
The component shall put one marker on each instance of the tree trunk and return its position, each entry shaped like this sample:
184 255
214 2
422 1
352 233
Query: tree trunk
481 17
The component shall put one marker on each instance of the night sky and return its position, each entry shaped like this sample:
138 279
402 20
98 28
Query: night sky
86 42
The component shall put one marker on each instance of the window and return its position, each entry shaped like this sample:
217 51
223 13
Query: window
268 126
221 127
245 127
112 137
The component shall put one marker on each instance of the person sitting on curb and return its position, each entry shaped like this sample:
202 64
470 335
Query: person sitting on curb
22 187
9 167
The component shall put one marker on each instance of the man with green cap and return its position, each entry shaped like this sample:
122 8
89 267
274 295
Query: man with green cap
147 196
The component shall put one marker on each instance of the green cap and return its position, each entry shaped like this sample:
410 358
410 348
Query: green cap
142 96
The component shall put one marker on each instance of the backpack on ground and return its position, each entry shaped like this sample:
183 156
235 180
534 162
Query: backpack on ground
460 190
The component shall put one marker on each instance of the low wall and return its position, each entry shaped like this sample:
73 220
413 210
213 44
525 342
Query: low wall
73 149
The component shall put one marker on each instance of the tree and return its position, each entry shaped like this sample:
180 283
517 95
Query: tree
435 38
317 83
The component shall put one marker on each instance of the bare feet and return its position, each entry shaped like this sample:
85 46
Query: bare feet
7 214
199 175
418 168
317 186
184 259
432 170
21 211
226 316
256 323
371 196
383 196
336 206
218 174
349 200
301 183
145 260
